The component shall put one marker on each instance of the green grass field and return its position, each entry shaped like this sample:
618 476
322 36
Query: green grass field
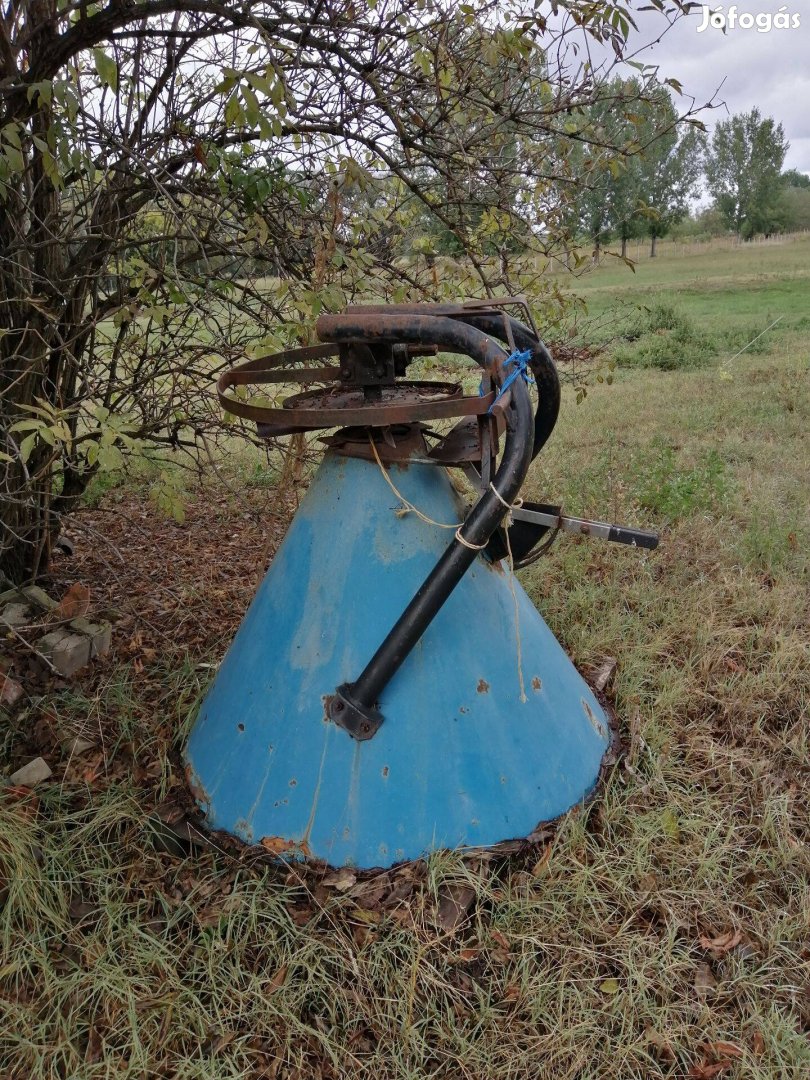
662 932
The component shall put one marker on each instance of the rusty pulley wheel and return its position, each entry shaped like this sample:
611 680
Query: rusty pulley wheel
340 405
401 403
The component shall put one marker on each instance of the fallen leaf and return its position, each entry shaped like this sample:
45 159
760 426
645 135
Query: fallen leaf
371 918
757 1044
705 1070
722 944
724 1049
276 845
341 880
500 939
95 1046
27 803
603 674
363 934
454 903
648 883
10 690
276 981
669 823
74 604
705 981
662 1045
300 915
542 862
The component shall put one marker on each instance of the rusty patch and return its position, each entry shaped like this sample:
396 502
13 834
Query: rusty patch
596 723
195 787
483 686
242 828
536 683
278 845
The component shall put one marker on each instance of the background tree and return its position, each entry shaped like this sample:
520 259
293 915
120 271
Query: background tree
796 179
743 167
643 167
186 183
607 203
668 169
795 200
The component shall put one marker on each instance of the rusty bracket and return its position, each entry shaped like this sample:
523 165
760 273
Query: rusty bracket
361 721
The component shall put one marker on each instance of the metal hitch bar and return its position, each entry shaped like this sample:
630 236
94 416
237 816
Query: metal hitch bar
621 534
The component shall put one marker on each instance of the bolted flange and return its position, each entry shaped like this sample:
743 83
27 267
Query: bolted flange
360 721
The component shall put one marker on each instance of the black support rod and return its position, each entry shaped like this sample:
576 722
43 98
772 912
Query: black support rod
353 705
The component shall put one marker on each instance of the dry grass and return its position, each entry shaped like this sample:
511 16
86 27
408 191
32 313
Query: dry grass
662 933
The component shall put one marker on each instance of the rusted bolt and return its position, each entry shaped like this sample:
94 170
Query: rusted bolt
338 706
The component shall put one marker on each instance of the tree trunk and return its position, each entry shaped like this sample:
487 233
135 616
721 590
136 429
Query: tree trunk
653 241
31 301
624 247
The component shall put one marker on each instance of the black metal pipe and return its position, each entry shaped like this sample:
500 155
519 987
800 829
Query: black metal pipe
542 364
353 705
479 525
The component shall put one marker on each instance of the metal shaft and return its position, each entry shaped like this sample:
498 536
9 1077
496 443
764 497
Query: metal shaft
449 570
354 704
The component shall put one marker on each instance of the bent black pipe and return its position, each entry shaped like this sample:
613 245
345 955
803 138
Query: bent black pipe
542 365
353 705
523 537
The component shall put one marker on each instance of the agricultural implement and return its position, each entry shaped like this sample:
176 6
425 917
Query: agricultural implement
392 689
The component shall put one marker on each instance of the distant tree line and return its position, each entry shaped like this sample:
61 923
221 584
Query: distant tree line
648 192
647 168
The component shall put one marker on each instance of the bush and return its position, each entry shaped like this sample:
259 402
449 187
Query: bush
663 336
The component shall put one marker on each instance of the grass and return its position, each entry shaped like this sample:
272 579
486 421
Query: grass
728 297
662 932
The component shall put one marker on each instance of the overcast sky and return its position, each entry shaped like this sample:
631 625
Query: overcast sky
769 70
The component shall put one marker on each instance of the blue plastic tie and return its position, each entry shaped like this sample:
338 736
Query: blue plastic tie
521 367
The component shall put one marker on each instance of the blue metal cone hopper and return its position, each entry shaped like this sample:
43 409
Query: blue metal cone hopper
462 758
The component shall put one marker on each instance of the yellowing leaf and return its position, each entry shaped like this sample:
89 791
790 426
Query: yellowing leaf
107 69
669 822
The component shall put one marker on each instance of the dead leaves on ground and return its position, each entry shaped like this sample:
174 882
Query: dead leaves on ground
716 1058
722 944
75 604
